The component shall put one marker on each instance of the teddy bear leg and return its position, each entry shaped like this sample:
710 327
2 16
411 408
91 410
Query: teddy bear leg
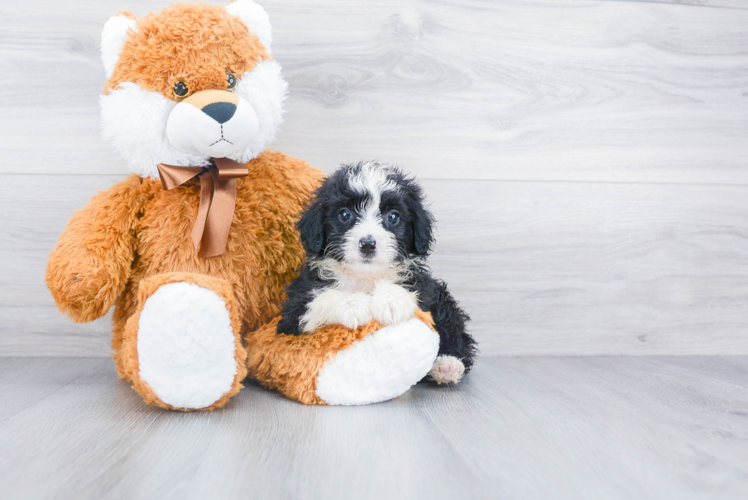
379 367
181 348
339 366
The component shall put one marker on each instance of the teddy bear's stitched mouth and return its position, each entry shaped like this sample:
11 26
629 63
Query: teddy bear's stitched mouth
221 139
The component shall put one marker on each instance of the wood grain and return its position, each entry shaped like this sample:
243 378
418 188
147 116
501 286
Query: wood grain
732 4
26 381
513 90
585 158
543 268
554 428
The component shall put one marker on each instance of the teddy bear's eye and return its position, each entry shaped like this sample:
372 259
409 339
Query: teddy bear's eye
180 90
230 80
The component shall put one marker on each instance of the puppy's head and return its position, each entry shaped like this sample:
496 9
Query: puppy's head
190 83
368 217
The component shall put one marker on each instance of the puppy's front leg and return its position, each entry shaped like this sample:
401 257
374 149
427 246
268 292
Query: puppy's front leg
392 304
336 307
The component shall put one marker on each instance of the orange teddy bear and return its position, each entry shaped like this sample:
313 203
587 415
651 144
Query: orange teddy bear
195 248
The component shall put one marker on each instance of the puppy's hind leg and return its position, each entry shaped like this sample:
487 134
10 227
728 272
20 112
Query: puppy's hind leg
456 348
447 369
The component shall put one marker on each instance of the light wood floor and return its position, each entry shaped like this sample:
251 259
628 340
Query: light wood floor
532 427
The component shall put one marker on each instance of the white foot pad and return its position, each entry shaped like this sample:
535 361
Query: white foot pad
381 366
447 369
186 346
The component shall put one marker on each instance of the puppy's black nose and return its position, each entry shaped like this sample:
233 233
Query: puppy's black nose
220 111
367 245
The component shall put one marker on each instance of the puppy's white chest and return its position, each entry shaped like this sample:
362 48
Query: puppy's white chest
363 282
354 284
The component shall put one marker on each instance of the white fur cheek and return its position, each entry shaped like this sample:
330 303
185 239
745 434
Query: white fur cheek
190 130
264 89
240 131
134 121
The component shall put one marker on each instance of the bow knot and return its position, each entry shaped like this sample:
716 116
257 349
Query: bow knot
217 200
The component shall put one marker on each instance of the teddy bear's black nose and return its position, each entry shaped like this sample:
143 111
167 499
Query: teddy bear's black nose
220 111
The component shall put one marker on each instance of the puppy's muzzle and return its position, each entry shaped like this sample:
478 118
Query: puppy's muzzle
218 104
367 246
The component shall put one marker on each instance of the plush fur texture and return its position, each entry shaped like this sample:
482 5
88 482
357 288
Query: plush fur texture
254 17
198 46
292 363
193 43
113 38
367 233
135 237
136 231
181 387
379 367
131 248
186 345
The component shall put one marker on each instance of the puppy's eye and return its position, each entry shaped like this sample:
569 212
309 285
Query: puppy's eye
230 81
180 90
393 218
345 215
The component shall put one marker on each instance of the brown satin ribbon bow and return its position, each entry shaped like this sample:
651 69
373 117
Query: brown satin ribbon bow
217 200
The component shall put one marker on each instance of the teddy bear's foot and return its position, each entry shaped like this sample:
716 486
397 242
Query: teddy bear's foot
381 366
447 369
184 348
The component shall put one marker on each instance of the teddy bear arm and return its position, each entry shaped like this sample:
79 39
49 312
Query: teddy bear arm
91 264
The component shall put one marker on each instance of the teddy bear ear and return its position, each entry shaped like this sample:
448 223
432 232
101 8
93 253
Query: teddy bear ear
255 17
113 39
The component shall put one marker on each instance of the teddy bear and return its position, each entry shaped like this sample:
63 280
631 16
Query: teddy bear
195 248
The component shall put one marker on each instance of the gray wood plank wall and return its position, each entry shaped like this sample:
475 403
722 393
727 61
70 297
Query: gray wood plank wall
586 160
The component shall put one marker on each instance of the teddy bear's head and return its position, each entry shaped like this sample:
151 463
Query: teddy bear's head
190 83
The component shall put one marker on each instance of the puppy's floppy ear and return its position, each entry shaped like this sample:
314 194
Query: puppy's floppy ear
421 219
312 227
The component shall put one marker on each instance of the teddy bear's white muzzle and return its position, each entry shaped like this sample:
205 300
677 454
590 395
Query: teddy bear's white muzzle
216 129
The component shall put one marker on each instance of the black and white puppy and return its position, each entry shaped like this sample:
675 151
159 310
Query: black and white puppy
367 235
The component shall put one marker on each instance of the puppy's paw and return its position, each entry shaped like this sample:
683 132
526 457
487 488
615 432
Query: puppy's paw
447 369
392 304
354 310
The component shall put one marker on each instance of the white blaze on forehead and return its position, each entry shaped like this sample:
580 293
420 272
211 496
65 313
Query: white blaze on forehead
370 180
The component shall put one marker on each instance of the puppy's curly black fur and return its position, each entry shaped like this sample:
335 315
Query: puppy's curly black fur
324 234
